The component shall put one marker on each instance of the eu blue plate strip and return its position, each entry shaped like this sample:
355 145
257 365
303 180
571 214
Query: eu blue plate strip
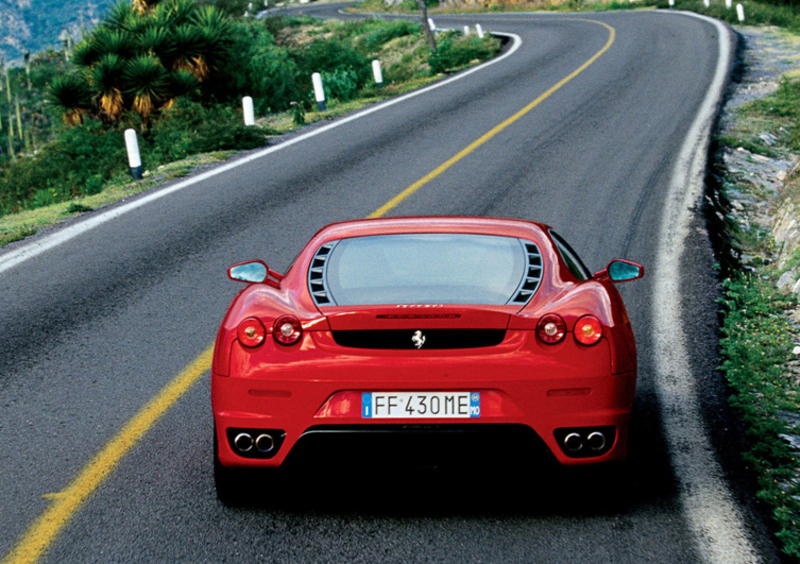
475 404
366 405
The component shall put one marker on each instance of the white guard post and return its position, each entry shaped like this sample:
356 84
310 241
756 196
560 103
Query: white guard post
479 29
134 159
376 72
319 91
740 12
249 113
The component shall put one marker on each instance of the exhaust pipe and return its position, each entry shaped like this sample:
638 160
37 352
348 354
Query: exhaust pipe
243 442
255 443
573 442
265 443
596 441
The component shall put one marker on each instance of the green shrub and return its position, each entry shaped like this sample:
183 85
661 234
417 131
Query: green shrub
454 52
341 84
755 349
75 164
189 128
386 32
332 54
83 158
275 78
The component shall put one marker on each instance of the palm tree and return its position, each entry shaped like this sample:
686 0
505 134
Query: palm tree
71 93
215 34
187 51
144 55
104 41
147 83
106 77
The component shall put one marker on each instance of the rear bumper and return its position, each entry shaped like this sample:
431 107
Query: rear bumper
308 393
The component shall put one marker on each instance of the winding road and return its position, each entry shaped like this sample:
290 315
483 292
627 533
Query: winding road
596 124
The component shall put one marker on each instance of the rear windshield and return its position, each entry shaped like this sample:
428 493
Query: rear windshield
425 269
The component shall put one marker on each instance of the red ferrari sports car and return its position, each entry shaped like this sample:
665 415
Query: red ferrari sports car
434 326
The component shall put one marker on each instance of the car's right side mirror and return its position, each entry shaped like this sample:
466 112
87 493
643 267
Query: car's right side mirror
619 270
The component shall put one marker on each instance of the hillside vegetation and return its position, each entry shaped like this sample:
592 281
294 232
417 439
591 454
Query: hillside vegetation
176 72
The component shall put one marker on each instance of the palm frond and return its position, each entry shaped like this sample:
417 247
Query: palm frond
120 16
106 76
117 41
171 13
72 95
85 53
154 40
186 51
146 81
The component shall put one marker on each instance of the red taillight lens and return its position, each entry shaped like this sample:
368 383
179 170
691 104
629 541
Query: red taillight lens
287 330
588 330
251 332
551 329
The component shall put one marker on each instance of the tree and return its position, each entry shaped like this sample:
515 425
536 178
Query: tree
142 57
423 6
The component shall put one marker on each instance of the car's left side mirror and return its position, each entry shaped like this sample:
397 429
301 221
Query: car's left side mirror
619 270
252 272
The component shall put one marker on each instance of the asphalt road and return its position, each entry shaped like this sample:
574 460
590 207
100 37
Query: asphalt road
95 327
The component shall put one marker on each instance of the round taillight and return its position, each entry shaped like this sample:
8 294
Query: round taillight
551 329
588 330
251 332
287 330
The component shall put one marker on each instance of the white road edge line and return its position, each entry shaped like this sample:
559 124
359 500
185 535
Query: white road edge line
39 246
709 507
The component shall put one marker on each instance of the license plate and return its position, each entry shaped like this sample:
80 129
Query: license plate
420 405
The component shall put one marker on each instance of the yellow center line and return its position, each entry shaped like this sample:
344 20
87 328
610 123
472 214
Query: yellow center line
66 503
394 202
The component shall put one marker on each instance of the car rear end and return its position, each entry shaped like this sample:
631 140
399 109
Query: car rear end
378 339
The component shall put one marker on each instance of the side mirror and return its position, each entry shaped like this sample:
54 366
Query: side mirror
252 272
619 270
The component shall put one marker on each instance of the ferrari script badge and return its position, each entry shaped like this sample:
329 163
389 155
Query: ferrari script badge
418 339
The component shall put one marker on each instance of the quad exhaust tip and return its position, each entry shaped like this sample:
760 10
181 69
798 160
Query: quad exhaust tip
596 441
243 442
573 442
265 443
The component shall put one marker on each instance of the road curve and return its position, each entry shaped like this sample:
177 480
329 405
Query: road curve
95 327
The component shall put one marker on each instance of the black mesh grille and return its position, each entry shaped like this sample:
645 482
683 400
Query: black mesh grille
399 339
